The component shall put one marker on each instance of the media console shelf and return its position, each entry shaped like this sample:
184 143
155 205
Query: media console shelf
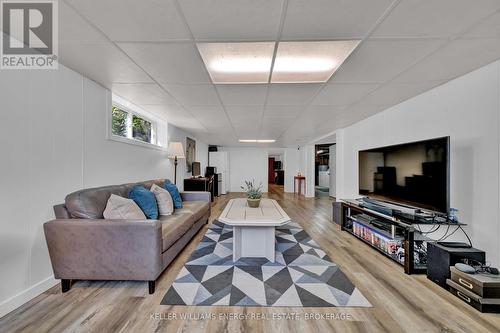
394 237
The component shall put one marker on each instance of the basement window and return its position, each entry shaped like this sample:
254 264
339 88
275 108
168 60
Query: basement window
129 125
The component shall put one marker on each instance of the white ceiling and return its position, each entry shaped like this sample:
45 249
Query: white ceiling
145 51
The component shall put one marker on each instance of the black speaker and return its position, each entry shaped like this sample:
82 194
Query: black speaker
440 258
337 212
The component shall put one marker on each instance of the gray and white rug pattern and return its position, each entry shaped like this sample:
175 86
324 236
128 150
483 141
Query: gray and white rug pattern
302 275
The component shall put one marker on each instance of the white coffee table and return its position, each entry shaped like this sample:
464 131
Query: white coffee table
253 228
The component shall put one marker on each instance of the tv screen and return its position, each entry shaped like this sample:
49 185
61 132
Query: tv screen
414 174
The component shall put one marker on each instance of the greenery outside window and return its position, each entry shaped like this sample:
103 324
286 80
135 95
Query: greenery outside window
128 124
141 129
119 124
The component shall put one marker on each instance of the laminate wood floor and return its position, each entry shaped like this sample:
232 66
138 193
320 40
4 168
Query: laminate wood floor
401 303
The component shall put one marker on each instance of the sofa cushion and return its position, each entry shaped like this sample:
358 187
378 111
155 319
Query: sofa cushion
197 208
146 200
163 199
174 227
174 192
122 208
90 203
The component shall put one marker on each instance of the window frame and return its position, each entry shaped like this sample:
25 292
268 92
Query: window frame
131 110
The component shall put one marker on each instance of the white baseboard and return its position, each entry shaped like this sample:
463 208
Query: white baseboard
16 301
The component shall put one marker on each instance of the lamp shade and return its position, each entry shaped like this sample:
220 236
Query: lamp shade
175 149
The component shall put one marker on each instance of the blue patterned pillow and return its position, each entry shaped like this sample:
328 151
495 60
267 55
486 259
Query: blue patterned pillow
174 192
145 200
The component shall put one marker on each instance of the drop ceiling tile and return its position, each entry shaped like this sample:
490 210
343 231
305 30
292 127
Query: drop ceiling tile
343 93
206 111
196 94
131 20
271 132
175 63
233 19
242 94
214 123
380 60
247 130
356 113
143 93
490 28
316 116
175 115
394 93
317 110
282 111
244 109
456 58
245 115
278 122
331 19
167 111
186 123
443 18
291 93
247 125
101 62
72 27
210 116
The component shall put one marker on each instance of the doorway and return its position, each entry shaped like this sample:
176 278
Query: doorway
324 168
275 173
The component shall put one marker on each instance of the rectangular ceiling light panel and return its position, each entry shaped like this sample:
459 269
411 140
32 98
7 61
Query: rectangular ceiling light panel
310 61
257 140
237 62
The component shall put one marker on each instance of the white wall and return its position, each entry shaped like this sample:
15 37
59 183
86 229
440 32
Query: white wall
53 142
179 135
306 166
292 166
467 109
246 164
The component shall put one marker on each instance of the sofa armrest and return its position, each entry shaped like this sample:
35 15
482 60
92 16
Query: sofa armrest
196 196
104 249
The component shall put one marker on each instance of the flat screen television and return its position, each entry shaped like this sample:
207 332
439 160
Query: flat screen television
414 174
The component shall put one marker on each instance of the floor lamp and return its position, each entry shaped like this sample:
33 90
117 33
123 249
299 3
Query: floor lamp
175 151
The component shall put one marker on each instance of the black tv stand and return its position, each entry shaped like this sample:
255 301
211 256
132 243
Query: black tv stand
392 235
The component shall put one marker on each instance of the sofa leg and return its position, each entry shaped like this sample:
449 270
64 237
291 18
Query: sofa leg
151 285
65 285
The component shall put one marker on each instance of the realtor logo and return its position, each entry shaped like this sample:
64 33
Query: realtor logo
29 38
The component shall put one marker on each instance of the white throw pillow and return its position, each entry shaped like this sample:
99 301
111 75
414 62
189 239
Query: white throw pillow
119 208
163 199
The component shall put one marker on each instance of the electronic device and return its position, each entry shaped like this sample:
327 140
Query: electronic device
492 270
414 175
465 268
196 169
479 267
440 258
458 245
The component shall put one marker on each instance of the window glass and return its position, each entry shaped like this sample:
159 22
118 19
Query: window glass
119 122
141 129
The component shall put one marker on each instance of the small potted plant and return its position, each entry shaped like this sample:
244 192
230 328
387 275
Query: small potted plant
254 193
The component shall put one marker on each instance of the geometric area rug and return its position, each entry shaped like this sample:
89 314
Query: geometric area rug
302 275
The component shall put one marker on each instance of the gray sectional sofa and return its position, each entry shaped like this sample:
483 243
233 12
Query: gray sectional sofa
85 246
